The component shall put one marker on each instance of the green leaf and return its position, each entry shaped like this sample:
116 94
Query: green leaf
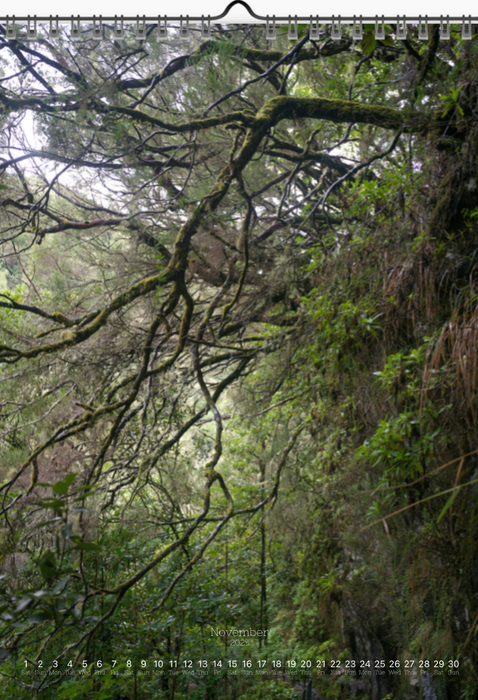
88 546
47 565
39 617
66 531
54 503
69 478
47 522
368 43
23 604
448 504
58 586
61 488
39 593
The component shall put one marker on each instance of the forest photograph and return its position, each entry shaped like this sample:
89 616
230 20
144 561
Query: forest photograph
238 361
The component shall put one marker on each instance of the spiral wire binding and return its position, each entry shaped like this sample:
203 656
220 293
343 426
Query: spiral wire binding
336 29
32 33
118 30
271 29
54 31
183 28
401 32
314 31
206 29
97 25
466 28
357 29
444 28
292 34
140 32
423 29
97 28
379 29
162 28
75 29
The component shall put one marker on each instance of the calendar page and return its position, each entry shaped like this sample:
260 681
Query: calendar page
238 332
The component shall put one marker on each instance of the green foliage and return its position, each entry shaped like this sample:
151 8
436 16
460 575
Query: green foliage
272 690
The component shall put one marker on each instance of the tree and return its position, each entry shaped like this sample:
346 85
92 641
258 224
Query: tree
179 229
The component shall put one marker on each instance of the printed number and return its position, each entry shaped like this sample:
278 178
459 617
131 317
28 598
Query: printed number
247 664
335 663
291 663
203 663
143 664
277 664
453 663
40 664
409 663
55 664
159 663
233 664
394 664
113 663
26 663
306 664
84 663
379 663
128 663
438 664
365 664
424 664
188 664
99 663
218 664
70 664
349 663
320 663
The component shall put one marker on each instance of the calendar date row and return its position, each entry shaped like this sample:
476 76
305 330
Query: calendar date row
274 664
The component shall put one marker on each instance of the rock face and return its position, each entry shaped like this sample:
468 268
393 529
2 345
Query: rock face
368 647
428 688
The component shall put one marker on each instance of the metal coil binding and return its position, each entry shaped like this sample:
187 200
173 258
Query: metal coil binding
357 30
140 32
444 28
314 31
142 27
97 28
423 29
118 29
75 31
54 31
32 33
336 29
206 29
401 28
162 28
292 34
466 28
184 28
270 29
380 29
